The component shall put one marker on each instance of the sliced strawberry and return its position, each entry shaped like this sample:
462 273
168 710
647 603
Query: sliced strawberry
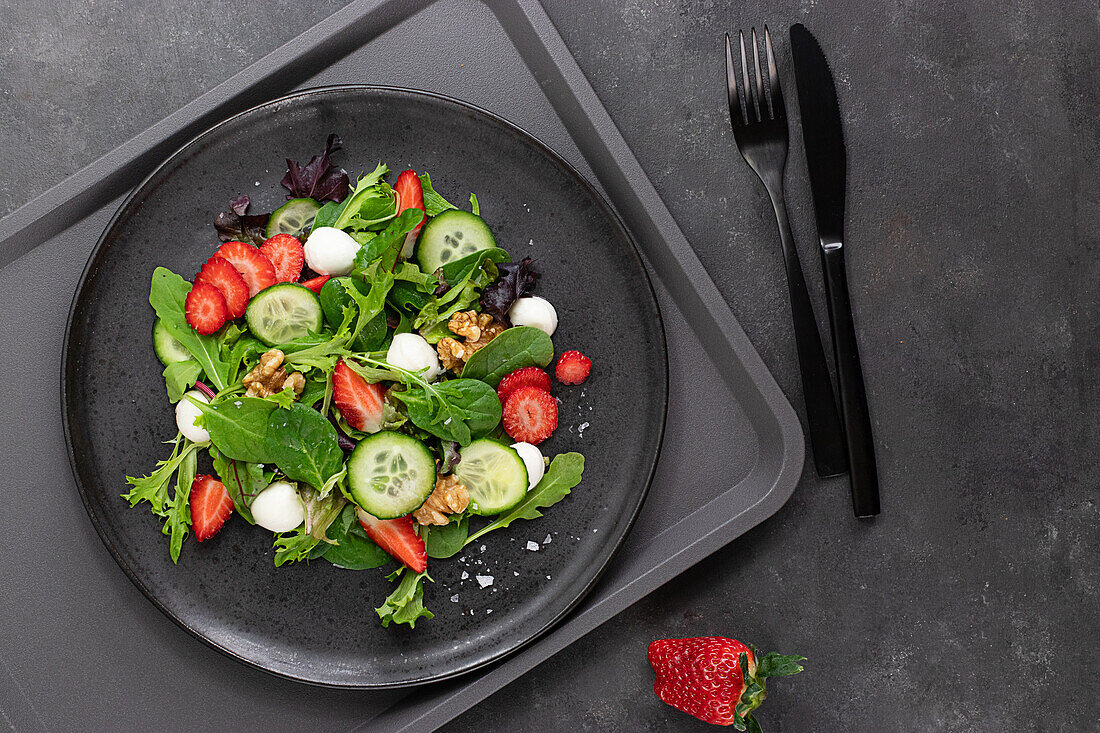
316 283
359 401
205 308
221 274
573 367
525 377
398 537
530 415
256 269
286 255
410 196
210 506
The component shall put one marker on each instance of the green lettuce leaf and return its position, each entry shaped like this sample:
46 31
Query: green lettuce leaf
406 604
564 473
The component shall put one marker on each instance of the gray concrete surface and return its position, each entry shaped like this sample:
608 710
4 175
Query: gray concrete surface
972 603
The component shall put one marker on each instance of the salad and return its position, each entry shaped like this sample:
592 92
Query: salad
361 373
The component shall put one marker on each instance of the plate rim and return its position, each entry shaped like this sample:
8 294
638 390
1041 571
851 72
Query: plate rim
68 367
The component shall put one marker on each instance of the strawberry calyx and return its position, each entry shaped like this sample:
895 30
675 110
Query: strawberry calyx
753 692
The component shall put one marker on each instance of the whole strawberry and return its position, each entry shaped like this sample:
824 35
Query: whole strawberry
716 679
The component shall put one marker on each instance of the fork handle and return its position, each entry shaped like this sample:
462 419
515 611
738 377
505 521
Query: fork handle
853 393
826 435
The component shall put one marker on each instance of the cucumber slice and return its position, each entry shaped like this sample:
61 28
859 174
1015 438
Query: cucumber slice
293 217
451 236
168 349
494 474
282 313
390 474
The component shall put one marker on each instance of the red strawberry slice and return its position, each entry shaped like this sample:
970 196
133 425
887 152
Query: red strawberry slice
256 269
705 677
286 255
316 283
210 506
573 367
205 308
410 196
221 274
359 401
398 537
525 377
530 415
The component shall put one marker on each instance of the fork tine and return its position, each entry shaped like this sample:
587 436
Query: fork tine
745 79
779 110
736 117
762 111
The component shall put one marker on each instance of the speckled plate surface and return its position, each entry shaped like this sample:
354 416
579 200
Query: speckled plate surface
316 623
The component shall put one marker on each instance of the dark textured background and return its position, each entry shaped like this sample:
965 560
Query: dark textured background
972 602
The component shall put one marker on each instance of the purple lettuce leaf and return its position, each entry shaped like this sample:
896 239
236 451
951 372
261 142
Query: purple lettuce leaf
318 179
517 279
240 204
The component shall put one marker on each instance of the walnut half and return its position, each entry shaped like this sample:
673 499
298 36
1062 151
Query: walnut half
478 329
448 497
269 377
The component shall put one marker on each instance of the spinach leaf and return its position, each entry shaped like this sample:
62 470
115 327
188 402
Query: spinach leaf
178 519
180 376
406 604
327 215
243 481
167 294
353 549
564 473
460 270
518 347
447 540
238 427
303 444
460 410
387 245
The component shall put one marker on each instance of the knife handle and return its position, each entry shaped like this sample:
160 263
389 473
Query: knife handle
826 436
863 471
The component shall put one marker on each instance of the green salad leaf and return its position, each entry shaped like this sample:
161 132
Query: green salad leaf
238 427
301 543
154 488
167 294
515 348
244 481
178 519
372 202
386 246
434 204
303 444
459 410
179 376
352 550
564 473
444 541
406 604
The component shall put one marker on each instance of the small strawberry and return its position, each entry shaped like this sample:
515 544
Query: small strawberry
530 415
286 255
525 377
705 677
398 537
573 367
256 269
316 283
221 274
360 402
410 196
210 506
205 308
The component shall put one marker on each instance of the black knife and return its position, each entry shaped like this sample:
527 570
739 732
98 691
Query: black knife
827 162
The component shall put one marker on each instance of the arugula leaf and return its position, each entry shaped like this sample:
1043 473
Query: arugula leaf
304 445
244 481
406 604
515 348
242 351
318 179
445 541
459 410
564 473
167 294
352 550
372 202
179 376
238 427
434 204
387 244
178 519
517 279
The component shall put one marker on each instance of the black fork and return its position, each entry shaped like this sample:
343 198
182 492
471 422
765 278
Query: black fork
759 120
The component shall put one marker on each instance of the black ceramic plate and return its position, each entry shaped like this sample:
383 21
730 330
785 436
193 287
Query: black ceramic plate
316 623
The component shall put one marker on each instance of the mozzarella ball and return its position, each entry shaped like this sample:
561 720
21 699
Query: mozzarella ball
330 251
532 458
534 311
185 418
411 352
278 507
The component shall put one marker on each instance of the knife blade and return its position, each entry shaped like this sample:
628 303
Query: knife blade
827 162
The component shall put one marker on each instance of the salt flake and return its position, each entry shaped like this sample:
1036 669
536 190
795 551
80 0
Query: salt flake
532 546
485 580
